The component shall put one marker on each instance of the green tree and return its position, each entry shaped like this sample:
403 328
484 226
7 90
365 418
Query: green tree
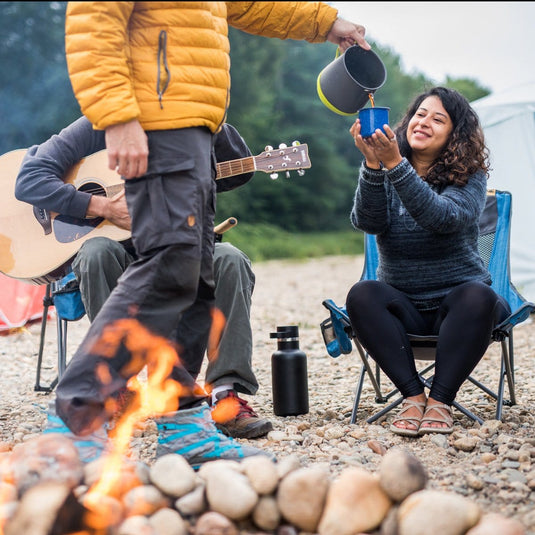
273 100
36 97
294 113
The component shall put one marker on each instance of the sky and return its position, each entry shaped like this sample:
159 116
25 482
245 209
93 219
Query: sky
491 42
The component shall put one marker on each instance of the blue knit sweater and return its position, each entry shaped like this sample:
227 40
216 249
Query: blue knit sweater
426 235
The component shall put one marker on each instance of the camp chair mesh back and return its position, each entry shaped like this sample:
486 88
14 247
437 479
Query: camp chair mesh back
65 296
494 248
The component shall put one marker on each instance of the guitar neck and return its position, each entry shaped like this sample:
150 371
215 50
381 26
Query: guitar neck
270 161
224 170
235 167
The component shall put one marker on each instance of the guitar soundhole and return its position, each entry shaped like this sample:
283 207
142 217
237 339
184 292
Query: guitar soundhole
68 229
93 188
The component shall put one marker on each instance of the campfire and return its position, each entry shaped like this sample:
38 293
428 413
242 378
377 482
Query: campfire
46 490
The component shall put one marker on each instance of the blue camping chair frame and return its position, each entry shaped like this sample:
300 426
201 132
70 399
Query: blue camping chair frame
64 295
494 248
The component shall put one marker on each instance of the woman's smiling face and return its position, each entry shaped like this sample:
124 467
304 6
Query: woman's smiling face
429 128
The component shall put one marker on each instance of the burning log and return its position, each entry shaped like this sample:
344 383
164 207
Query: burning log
48 508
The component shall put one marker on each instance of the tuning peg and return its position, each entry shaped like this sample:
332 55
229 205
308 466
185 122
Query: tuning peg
295 143
300 172
287 174
268 148
274 176
283 146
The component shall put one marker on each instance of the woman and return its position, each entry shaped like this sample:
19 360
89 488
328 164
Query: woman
421 191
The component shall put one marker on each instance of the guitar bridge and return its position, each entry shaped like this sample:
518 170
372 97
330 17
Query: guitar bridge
43 218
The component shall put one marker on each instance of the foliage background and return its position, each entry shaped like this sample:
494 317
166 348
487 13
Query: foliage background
273 101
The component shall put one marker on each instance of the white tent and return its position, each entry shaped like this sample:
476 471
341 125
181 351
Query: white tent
508 120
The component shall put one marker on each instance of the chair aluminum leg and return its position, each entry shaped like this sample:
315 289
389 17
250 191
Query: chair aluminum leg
427 381
508 358
501 385
62 346
47 302
364 357
506 372
358 392
384 411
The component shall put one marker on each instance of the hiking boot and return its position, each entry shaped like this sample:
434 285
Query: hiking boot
90 447
192 433
244 422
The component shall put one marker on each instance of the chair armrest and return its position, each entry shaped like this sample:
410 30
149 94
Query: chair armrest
336 330
502 330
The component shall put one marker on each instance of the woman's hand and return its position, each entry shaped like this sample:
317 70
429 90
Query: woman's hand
385 147
372 161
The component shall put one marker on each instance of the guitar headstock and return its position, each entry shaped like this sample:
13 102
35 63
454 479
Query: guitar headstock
284 158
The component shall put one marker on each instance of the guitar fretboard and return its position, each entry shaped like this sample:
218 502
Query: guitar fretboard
235 167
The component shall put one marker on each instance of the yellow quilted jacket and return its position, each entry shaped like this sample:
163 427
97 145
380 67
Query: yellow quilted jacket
167 63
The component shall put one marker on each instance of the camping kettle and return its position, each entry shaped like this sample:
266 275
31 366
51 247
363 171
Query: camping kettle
345 85
289 378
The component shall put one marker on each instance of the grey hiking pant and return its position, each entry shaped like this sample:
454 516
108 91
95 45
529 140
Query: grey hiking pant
97 267
231 360
172 210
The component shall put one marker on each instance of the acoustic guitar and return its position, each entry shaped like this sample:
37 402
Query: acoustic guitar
37 245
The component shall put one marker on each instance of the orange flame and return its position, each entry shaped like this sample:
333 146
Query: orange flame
227 408
158 395
216 333
7 479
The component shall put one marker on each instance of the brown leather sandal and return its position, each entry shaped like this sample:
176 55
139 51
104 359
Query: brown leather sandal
444 417
403 431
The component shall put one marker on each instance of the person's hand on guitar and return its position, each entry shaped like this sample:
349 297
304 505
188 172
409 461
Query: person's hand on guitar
113 209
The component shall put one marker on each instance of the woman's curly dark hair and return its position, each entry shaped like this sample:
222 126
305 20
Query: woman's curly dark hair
465 152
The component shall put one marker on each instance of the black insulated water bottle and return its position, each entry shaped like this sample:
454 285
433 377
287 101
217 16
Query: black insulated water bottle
289 376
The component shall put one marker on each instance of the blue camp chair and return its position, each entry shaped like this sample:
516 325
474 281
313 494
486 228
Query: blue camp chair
64 295
493 246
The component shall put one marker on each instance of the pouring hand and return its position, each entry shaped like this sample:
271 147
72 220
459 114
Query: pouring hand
345 34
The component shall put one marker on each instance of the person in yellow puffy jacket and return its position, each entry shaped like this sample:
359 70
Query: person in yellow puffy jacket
155 76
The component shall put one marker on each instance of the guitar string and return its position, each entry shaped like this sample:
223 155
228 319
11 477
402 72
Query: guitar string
223 167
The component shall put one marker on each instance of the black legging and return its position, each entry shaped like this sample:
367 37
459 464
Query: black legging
381 317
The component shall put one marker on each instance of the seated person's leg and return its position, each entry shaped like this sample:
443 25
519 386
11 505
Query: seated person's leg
465 319
230 361
380 317
97 266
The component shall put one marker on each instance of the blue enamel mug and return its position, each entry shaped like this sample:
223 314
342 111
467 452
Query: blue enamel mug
372 119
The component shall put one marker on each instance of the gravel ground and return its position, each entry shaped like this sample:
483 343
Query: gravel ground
492 464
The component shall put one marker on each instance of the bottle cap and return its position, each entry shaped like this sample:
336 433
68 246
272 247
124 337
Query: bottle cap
287 332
